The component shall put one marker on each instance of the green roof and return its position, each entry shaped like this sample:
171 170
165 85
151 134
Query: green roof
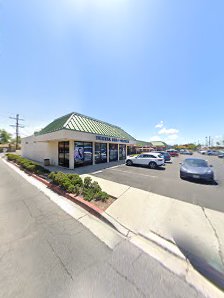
82 123
143 144
158 143
150 144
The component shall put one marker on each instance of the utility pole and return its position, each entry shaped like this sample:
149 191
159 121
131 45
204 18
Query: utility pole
17 126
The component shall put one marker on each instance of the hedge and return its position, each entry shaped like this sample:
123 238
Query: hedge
73 183
27 164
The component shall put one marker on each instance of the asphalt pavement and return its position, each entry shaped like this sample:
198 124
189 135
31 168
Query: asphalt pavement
46 253
166 181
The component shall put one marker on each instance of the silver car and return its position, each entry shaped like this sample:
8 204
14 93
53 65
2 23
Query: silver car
196 168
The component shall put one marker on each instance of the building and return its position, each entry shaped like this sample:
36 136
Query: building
75 140
142 146
7 147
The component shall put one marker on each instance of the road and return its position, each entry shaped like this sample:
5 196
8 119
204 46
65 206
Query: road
166 182
46 253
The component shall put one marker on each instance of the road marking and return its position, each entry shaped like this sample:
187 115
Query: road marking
97 172
114 167
134 173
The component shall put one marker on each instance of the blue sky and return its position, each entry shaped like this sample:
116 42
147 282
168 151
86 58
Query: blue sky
134 63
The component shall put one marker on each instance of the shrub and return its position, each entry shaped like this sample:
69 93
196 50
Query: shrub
102 196
91 189
87 182
27 164
73 183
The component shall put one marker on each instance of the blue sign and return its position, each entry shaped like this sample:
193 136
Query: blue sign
108 139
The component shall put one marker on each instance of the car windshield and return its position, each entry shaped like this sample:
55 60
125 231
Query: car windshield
196 163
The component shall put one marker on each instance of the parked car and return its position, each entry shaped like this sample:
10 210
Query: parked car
212 152
165 155
152 160
196 168
186 152
221 154
203 152
172 152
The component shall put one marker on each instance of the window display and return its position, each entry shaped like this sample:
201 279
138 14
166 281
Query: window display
83 153
100 152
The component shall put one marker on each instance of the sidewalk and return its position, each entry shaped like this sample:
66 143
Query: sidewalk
197 232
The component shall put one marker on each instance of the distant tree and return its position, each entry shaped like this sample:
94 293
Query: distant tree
218 143
5 137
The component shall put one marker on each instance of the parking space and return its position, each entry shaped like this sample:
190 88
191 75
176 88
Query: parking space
166 181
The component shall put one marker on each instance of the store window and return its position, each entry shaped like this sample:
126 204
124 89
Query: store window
100 152
122 151
83 154
63 154
113 150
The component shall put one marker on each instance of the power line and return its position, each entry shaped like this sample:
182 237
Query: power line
17 126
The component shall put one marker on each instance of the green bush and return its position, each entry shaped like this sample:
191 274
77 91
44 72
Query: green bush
70 182
91 189
73 183
87 182
27 164
102 196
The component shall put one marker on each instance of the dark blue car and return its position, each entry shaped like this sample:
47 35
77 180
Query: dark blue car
165 155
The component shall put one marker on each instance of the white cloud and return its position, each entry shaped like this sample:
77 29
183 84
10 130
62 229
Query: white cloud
170 131
155 138
159 125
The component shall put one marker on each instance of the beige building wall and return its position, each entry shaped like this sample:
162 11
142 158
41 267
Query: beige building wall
38 151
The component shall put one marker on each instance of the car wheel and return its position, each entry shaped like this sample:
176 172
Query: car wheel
129 163
152 165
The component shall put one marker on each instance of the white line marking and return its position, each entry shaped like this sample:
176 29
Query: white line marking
113 167
97 172
124 172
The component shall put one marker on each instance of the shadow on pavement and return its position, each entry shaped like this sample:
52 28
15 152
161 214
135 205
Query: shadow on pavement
202 182
146 167
210 269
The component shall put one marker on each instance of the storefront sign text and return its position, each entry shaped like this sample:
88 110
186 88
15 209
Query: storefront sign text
108 139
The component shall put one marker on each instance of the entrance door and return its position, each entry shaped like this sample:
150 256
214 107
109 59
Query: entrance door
122 152
63 154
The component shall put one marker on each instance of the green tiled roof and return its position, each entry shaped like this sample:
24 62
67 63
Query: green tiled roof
158 143
82 123
143 144
150 144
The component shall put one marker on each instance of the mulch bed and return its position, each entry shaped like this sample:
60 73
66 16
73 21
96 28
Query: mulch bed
103 205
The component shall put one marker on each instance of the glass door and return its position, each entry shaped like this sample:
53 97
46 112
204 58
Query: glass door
122 152
63 154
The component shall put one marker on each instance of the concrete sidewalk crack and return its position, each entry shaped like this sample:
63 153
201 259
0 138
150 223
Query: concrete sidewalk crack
61 262
124 192
216 236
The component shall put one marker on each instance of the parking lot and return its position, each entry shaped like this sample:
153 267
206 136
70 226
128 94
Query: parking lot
166 181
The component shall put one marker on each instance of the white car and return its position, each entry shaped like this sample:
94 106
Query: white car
152 160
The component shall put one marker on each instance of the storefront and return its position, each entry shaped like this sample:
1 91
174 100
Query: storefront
76 140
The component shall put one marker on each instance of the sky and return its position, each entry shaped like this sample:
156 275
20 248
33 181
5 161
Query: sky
153 67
